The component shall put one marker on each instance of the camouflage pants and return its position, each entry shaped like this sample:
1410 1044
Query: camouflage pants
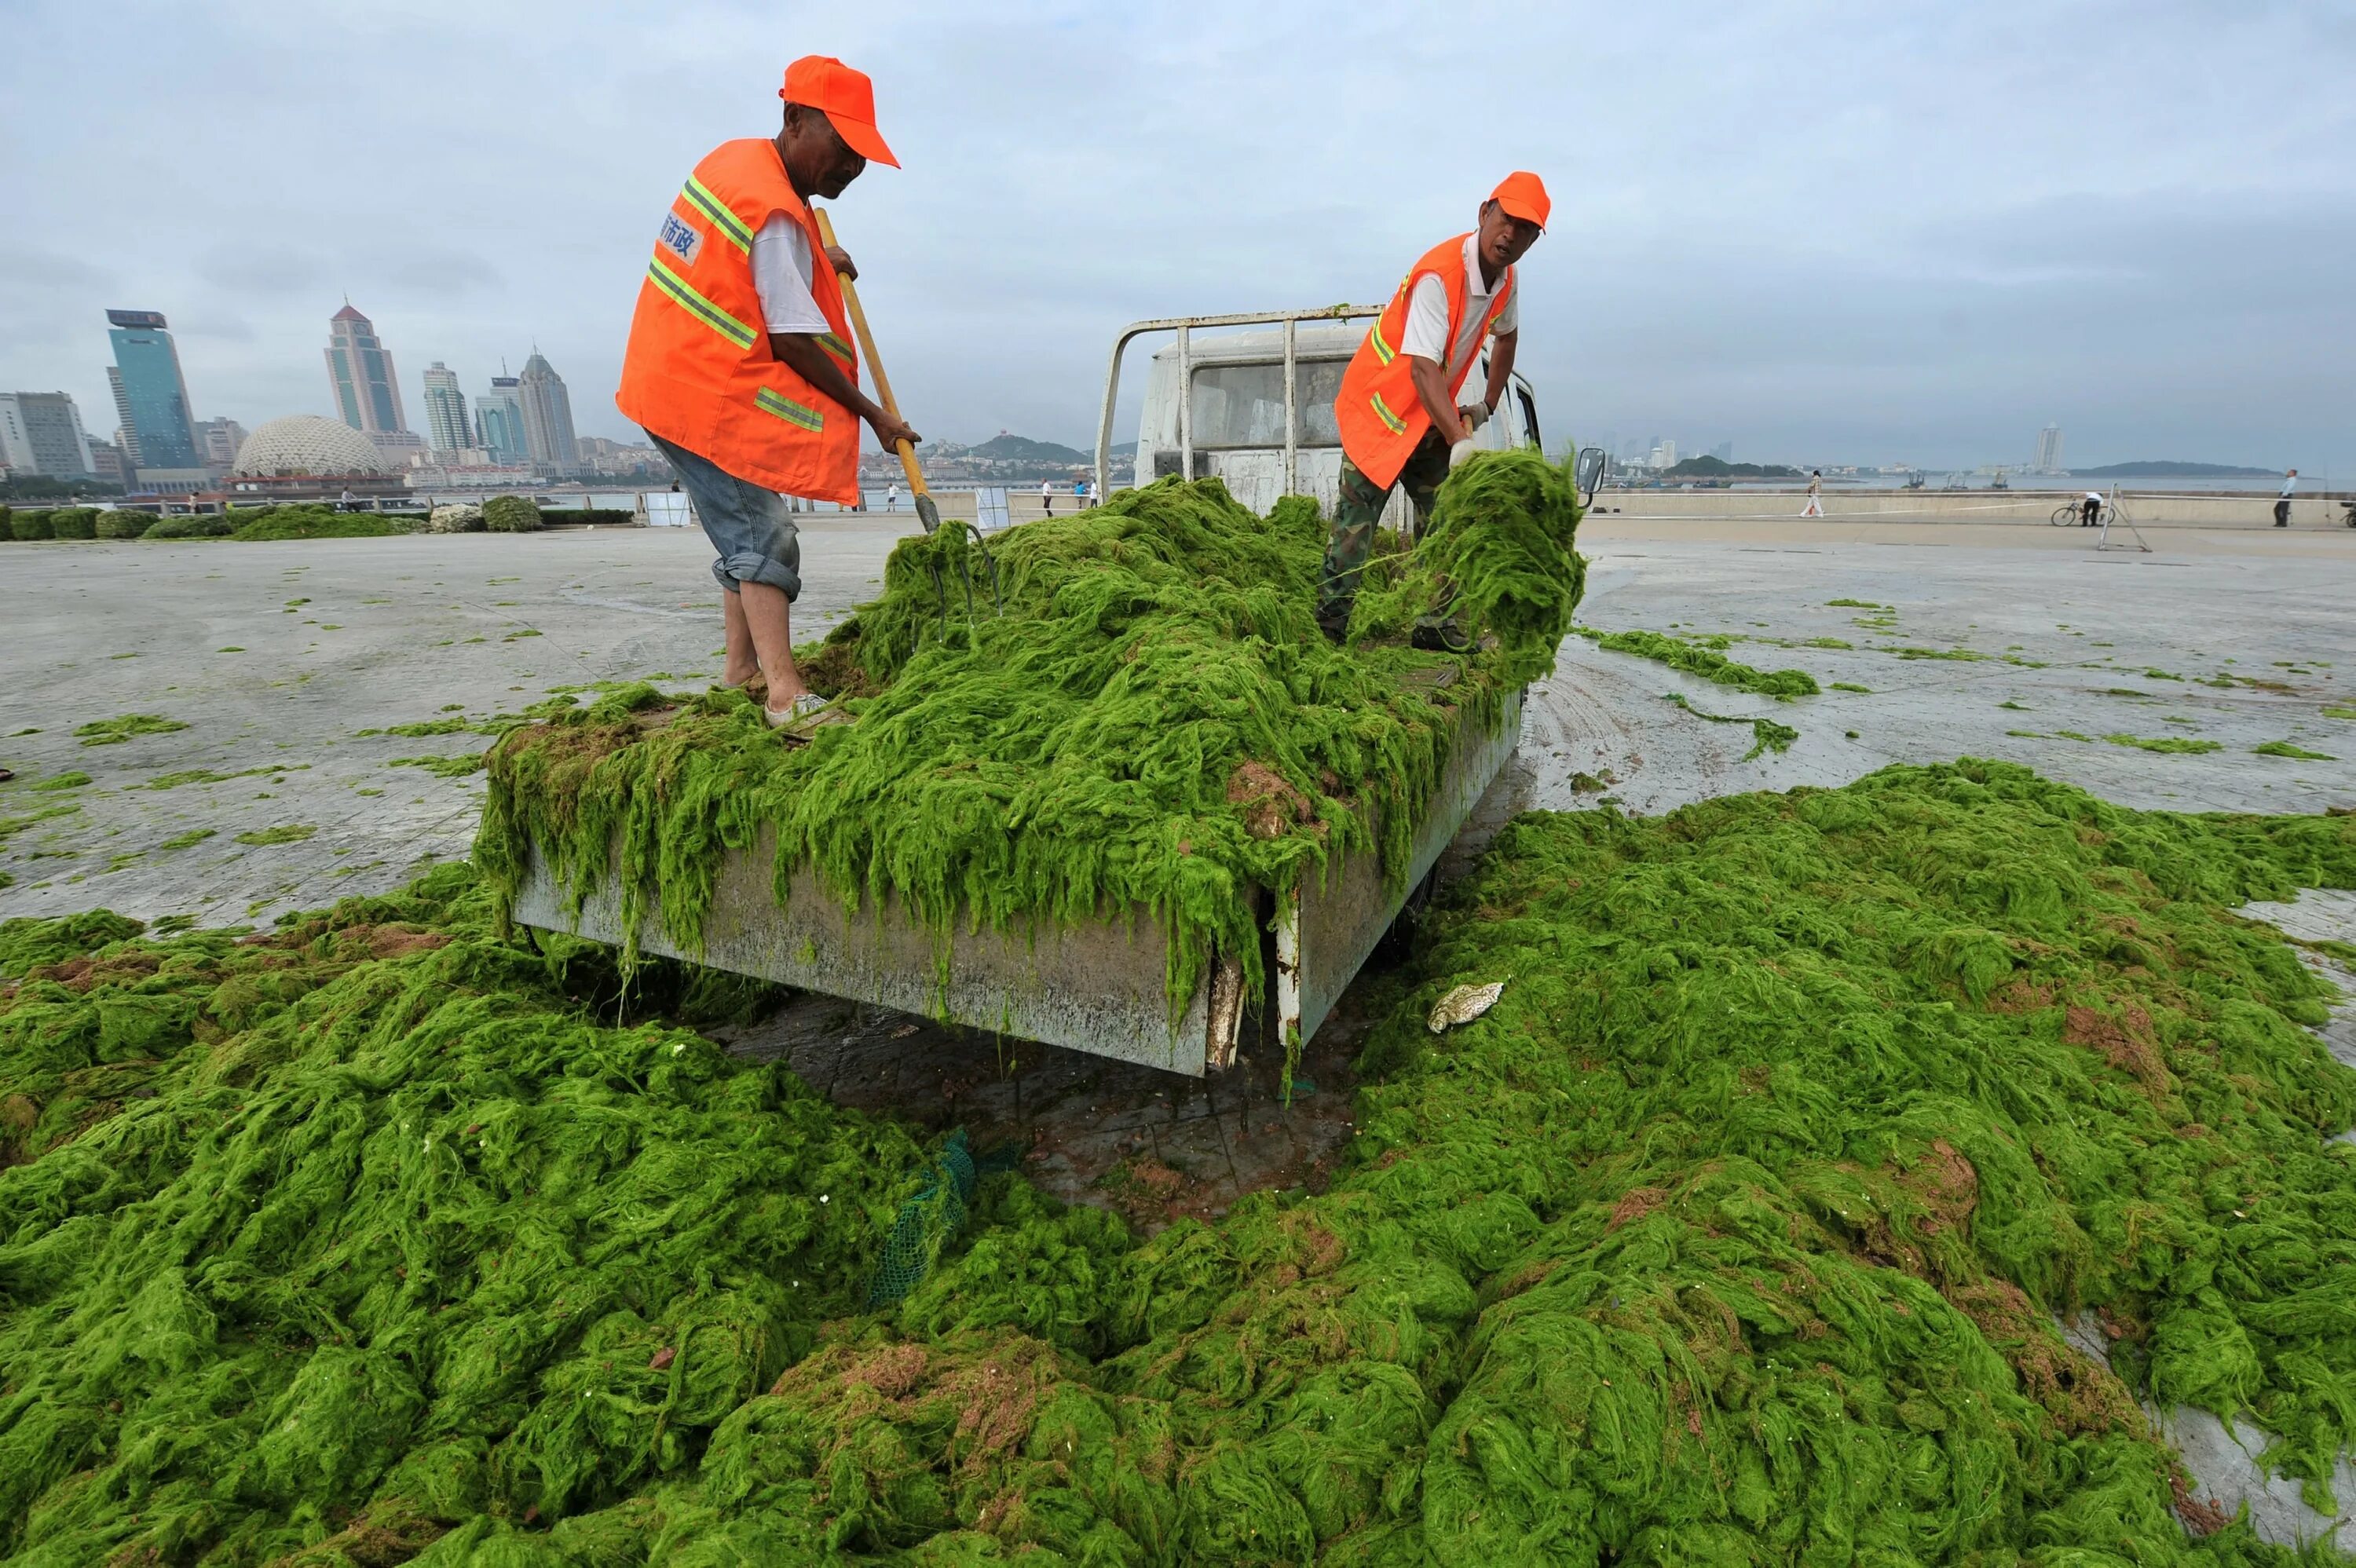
1355 515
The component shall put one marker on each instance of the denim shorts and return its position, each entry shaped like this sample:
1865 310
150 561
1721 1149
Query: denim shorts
750 527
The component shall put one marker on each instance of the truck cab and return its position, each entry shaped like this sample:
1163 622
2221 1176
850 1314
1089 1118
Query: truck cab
1232 426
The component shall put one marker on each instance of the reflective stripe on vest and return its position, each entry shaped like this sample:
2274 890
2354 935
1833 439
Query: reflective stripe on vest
1382 413
836 346
792 412
1382 351
695 304
712 206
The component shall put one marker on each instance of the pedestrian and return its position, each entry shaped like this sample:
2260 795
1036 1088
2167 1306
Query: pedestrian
1397 410
747 415
1046 499
891 497
1080 495
2091 509
2282 502
1815 506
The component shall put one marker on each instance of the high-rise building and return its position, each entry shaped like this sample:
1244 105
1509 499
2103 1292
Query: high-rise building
109 464
150 396
217 441
1723 452
445 411
360 373
498 421
2048 450
40 432
547 415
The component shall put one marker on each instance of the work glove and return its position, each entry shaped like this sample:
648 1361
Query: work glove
1460 452
1474 415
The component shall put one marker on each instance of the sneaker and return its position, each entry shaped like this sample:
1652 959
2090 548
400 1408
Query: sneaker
807 713
1446 637
795 712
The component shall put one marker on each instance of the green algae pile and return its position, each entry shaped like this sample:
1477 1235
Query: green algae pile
1127 708
379 1203
1734 1233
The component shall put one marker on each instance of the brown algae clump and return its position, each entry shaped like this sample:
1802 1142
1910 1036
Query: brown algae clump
1051 730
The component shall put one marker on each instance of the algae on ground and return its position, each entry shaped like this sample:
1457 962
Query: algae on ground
1127 708
286 833
451 767
2266 749
2166 743
114 731
1711 665
1766 735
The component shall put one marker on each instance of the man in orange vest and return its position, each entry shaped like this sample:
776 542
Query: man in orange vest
1399 418
740 363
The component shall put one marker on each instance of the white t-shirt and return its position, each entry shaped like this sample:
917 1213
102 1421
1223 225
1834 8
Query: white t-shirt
2094 495
781 276
1427 314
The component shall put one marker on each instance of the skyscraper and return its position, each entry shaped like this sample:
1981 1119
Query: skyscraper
219 439
445 411
2048 450
498 421
40 432
150 396
547 415
359 372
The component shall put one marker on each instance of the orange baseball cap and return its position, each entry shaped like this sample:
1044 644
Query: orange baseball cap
845 97
1523 194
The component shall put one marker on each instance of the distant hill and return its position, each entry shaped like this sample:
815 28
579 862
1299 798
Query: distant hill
1718 468
2169 471
1022 449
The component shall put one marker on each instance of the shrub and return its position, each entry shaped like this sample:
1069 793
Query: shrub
30 524
122 524
511 515
74 523
310 521
458 518
6 532
587 517
201 525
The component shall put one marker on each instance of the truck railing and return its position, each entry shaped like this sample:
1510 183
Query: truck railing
1183 325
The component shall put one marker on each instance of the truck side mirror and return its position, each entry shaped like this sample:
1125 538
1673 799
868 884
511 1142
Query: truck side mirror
1593 463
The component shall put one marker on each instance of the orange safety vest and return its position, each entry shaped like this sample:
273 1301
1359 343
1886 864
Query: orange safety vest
1381 417
699 372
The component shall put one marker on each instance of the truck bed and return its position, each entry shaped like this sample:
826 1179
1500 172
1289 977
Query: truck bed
1096 986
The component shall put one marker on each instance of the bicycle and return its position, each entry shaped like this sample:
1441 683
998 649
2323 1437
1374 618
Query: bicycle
2071 513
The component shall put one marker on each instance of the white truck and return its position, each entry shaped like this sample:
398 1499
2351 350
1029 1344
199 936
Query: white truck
1261 418
1259 415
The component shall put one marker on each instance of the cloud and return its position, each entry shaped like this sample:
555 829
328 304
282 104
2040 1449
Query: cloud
1820 227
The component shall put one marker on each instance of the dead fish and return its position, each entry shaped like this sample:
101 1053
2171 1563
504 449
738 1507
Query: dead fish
1465 1004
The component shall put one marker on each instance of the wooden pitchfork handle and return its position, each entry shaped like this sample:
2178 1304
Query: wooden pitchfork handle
926 511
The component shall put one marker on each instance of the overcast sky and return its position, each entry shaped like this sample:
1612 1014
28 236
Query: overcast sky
1862 232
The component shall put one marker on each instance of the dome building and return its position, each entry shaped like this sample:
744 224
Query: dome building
306 446
305 458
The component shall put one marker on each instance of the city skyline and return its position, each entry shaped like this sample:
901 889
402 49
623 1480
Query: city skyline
523 419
